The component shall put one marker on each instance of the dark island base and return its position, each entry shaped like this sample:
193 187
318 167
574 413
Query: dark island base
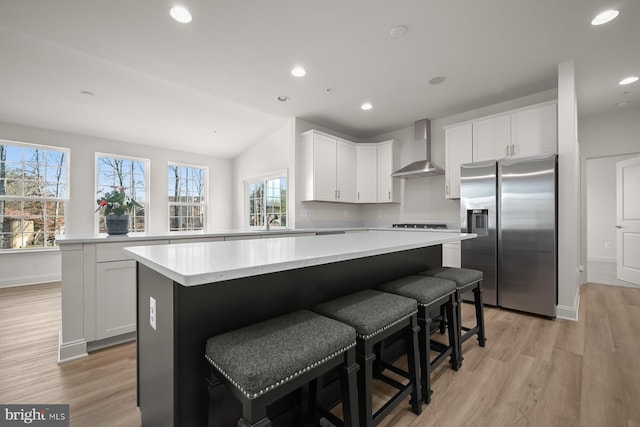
172 390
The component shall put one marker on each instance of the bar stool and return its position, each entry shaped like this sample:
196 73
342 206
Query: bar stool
430 293
465 279
375 316
264 362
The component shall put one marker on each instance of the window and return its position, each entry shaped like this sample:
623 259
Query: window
33 194
187 197
267 198
130 174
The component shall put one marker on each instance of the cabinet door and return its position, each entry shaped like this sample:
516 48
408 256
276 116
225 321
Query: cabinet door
534 130
324 168
366 173
491 138
345 171
386 182
116 298
458 150
451 255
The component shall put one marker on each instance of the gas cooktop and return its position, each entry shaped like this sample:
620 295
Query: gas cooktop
412 225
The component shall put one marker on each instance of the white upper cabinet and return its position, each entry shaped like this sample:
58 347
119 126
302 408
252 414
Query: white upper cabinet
367 173
534 130
388 187
491 138
458 141
345 171
336 170
329 168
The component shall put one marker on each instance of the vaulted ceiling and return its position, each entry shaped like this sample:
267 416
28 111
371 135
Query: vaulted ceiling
125 70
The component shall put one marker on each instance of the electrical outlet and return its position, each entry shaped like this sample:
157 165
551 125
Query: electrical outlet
380 214
607 245
152 312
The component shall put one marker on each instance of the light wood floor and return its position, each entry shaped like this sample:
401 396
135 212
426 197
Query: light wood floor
533 372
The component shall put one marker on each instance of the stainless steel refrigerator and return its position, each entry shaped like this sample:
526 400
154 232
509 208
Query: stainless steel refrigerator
512 206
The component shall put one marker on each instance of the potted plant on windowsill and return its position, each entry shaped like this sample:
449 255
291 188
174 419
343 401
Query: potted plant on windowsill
116 205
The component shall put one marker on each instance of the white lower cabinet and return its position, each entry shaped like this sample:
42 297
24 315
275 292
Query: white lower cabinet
451 255
115 298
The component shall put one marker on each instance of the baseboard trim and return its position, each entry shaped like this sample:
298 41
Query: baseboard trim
71 350
29 280
569 313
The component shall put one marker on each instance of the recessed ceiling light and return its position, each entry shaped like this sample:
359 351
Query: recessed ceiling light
282 98
436 80
299 71
628 80
604 17
397 32
180 14
366 106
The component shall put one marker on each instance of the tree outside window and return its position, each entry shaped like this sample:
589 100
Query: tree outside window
187 191
33 194
267 201
130 174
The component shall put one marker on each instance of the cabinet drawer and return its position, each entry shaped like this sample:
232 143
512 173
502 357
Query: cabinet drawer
113 251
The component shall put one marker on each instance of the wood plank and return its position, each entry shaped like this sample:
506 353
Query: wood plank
533 372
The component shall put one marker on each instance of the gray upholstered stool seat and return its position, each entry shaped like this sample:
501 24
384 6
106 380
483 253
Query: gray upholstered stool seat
465 278
259 359
461 276
430 293
375 316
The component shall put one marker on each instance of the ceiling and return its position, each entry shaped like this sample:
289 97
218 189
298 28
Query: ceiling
211 86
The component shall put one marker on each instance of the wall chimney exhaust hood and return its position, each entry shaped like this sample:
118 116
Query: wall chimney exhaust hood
421 168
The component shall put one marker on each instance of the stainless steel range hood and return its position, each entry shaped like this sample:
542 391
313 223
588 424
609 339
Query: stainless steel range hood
421 168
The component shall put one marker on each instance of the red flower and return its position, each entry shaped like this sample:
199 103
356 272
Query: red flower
103 203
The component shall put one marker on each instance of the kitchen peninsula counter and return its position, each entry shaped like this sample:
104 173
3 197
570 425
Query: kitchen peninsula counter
199 290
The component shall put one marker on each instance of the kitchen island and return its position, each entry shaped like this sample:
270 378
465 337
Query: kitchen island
189 292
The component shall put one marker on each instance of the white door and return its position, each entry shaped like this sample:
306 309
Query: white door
324 158
458 145
346 172
492 138
628 219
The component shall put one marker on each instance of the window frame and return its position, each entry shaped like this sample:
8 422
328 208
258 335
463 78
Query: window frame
147 188
246 216
205 204
22 198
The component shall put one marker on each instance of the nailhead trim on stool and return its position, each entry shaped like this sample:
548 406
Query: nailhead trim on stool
375 316
265 361
465 278
430 293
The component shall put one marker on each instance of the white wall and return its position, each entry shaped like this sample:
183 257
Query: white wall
273 153
18 268
601 207
569 241
615 133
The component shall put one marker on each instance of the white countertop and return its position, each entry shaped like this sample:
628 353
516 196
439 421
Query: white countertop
193 264
133 237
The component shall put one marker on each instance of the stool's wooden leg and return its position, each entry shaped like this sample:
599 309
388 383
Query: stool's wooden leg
254 413
349 385
365 387
443 320
453 327
413 358
424 339
477 291
458 329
